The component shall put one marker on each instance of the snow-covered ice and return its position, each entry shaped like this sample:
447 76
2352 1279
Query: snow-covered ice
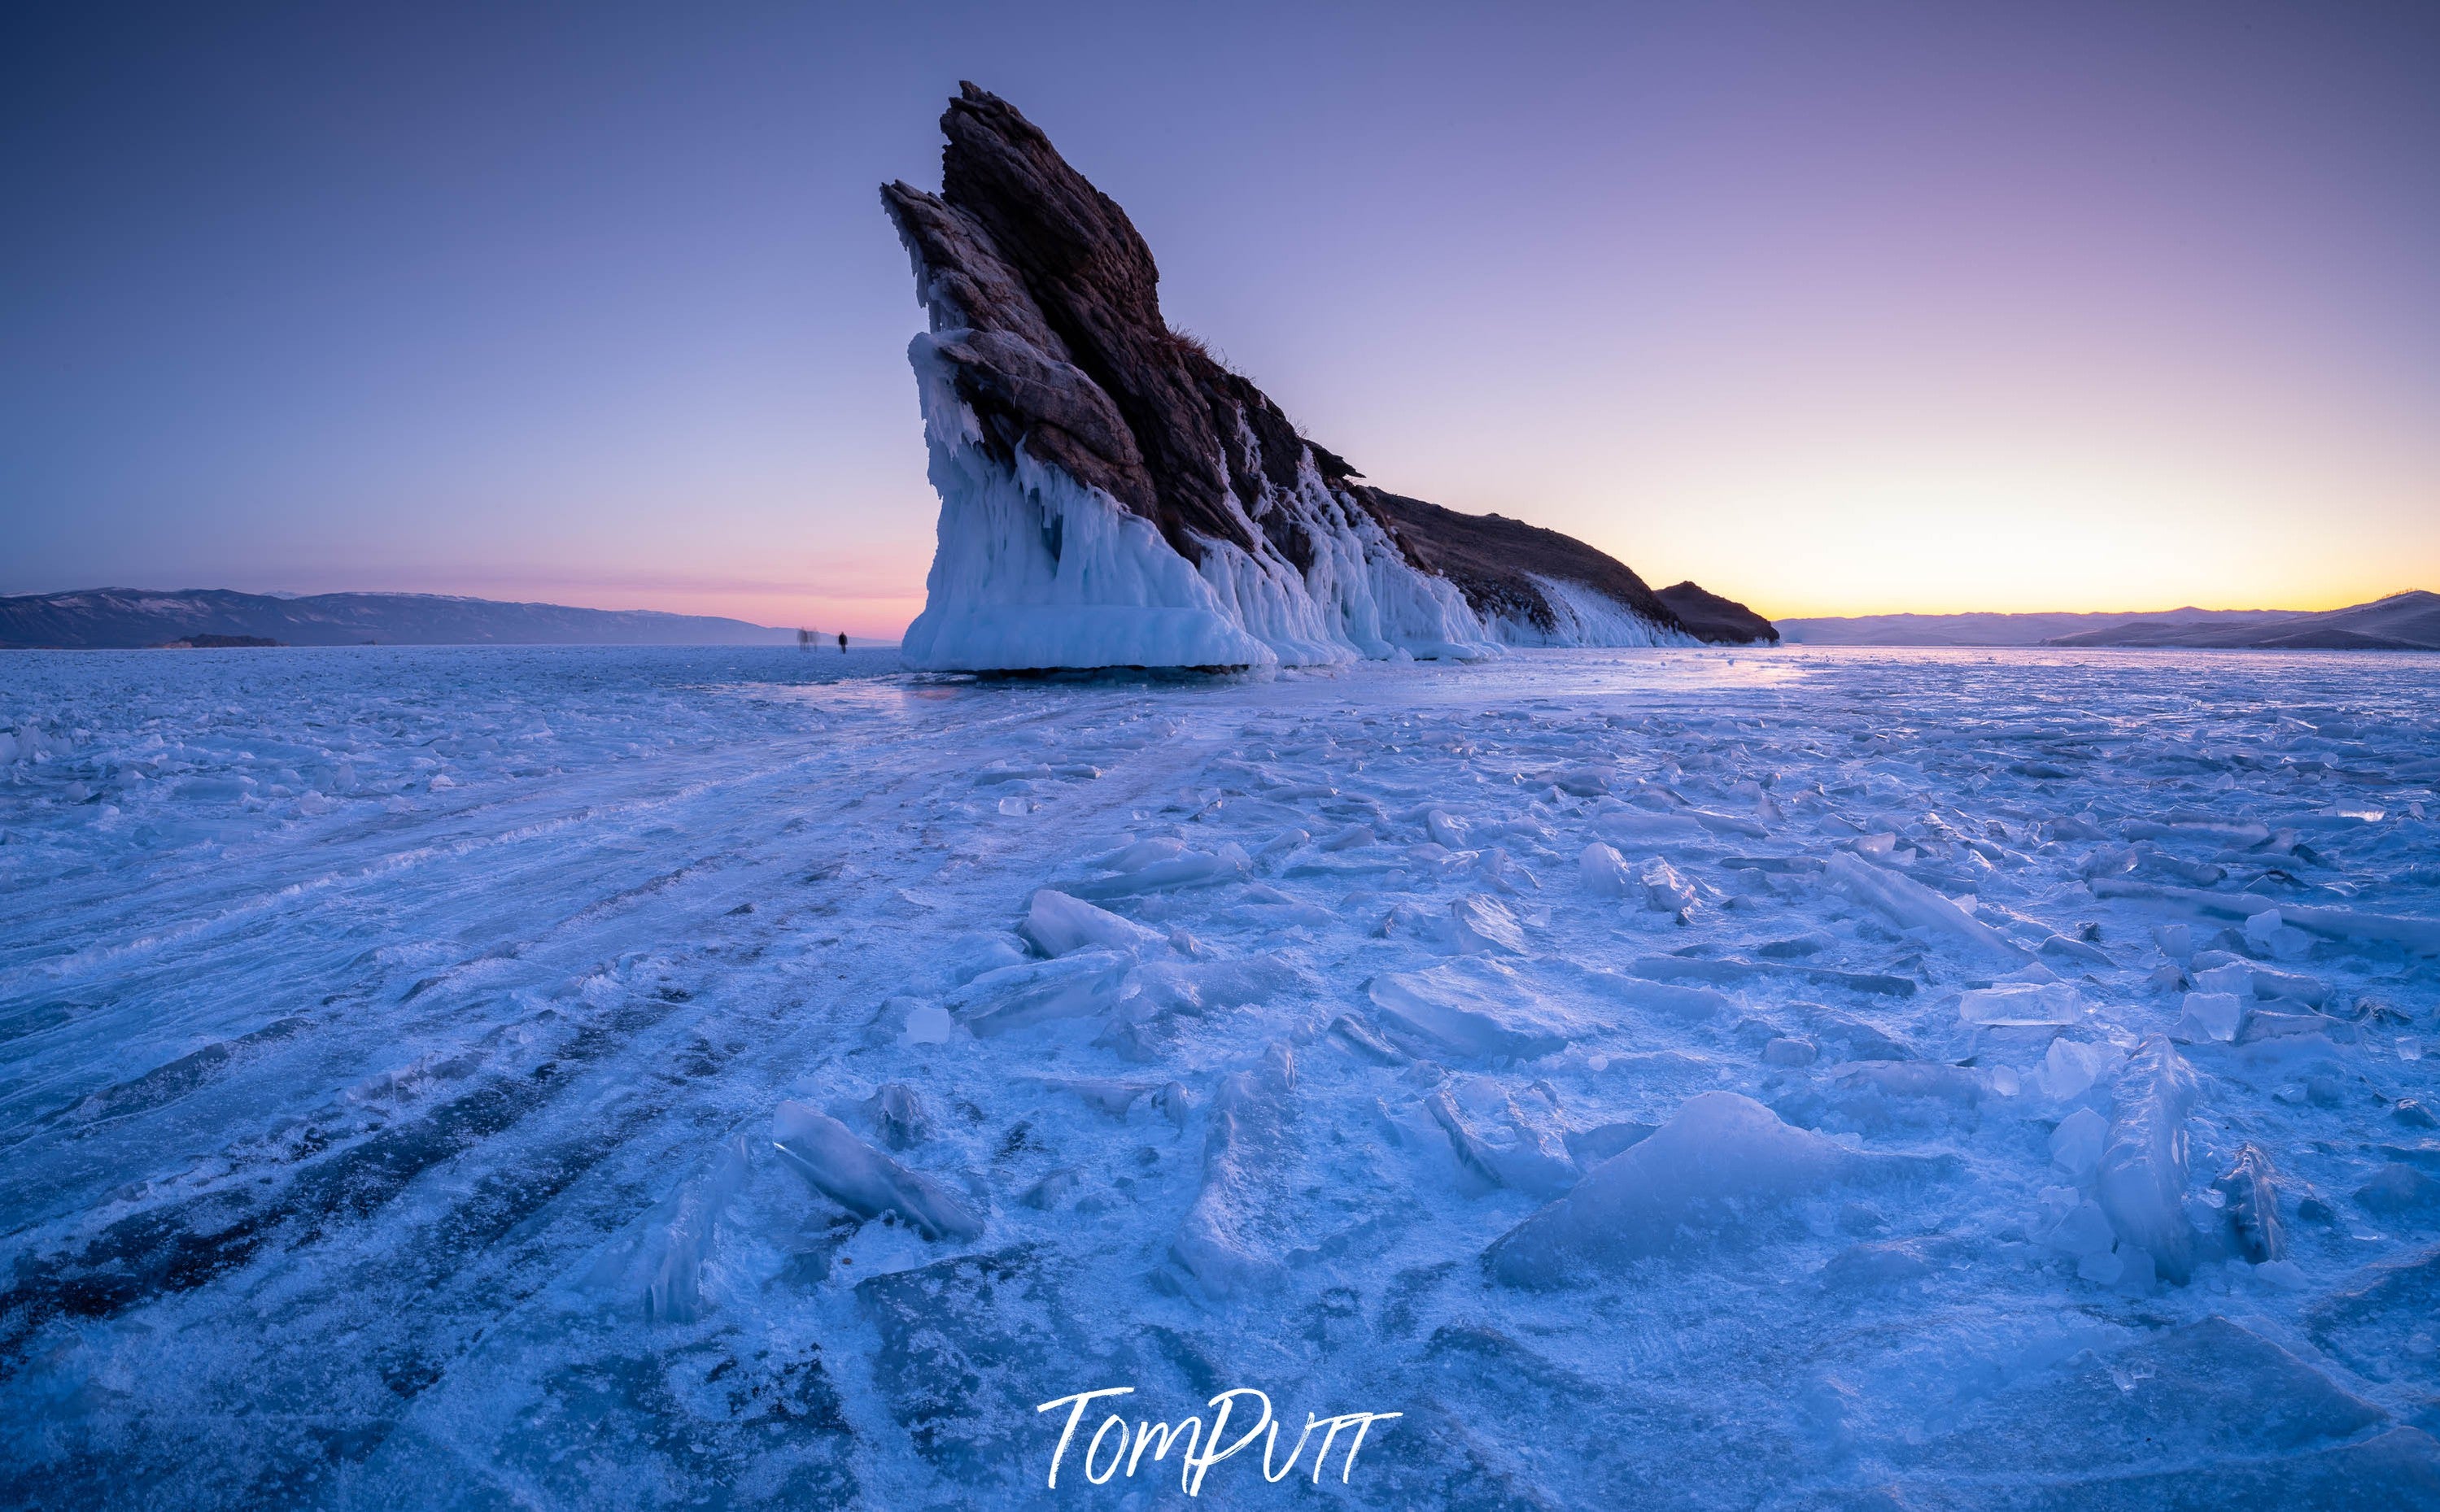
1667 1077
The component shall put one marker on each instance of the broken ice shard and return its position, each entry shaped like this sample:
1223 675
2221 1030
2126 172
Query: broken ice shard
1720 1161
2143 1176
864 1180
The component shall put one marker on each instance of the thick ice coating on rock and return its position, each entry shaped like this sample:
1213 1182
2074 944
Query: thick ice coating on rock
864 1180
1111 496
1722 1159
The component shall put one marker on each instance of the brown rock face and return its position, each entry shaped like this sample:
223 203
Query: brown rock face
1046 307
1021 243
1721 621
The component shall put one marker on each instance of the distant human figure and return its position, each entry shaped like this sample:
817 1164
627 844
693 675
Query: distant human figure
804 639
843 643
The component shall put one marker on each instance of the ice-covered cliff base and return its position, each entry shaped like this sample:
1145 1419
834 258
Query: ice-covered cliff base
1036 570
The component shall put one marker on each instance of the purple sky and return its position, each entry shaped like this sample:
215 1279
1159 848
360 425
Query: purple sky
1832 307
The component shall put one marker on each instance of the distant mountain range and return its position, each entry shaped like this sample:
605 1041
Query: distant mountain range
106 618
2401 622
2407 621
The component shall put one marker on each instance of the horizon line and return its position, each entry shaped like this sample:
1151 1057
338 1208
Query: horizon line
1780 618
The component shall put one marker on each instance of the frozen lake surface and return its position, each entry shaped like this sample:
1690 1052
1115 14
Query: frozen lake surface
476 1077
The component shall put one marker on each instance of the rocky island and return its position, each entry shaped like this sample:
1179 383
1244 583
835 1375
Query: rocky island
1112 496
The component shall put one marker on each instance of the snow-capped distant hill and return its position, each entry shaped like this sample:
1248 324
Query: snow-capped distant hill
1111 495
2401 622
103 619
1996 628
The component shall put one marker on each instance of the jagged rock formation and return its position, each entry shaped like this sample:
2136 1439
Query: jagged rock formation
1723 621
1112 496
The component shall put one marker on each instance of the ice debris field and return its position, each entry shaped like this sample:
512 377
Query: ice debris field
1665 1079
